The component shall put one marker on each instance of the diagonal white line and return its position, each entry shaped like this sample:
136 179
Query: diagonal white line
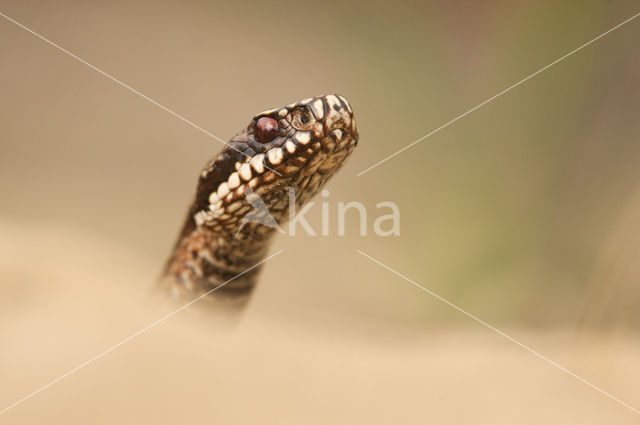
499 332
130 337
126 86
497 95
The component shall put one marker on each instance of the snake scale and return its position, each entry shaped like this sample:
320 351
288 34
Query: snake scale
294 148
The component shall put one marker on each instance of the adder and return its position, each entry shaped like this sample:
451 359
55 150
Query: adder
290 150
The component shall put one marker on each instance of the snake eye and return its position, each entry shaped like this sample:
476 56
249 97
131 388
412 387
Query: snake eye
266 129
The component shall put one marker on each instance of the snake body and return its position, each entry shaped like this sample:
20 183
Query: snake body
293 149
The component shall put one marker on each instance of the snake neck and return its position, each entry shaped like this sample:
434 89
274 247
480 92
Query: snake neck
204 260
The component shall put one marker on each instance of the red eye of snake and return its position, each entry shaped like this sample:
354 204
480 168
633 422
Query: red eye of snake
266 129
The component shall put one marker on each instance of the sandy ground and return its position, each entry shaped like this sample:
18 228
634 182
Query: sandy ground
66 296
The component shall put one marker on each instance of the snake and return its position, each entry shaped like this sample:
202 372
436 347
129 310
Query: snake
292 150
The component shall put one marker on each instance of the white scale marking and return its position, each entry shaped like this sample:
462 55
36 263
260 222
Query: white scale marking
302 137
318 106
234 181
275 156
257 164
290 146
245 172
223 190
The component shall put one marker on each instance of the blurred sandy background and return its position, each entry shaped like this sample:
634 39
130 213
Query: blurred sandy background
526 213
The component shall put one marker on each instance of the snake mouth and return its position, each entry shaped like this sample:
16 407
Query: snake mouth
280 147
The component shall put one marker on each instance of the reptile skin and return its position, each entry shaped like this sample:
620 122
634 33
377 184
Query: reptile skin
296 147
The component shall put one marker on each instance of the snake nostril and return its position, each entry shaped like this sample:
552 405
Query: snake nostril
266 129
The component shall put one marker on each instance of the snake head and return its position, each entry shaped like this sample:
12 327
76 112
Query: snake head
297 146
